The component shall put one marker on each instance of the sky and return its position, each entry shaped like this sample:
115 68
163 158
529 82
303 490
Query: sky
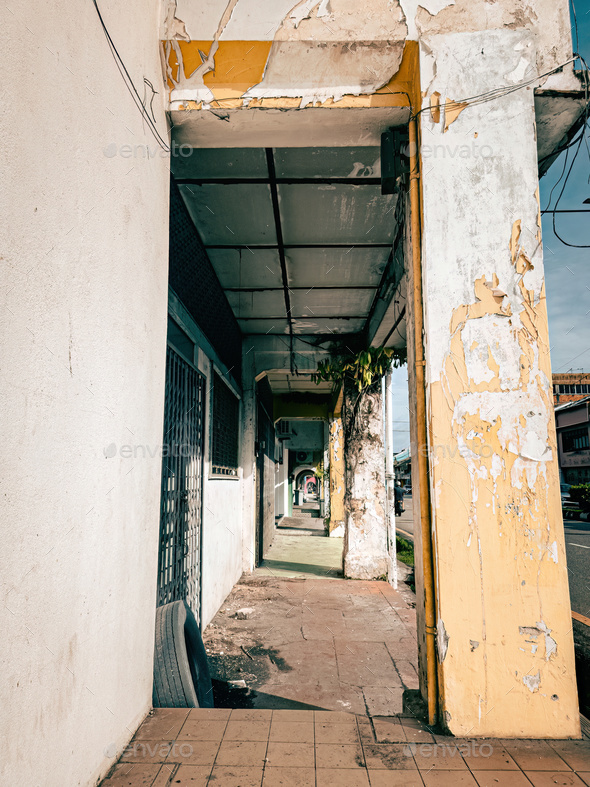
567 270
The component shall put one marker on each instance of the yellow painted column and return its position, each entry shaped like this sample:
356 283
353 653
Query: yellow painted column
337 487
504 632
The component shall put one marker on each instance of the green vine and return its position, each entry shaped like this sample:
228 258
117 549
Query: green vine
364 369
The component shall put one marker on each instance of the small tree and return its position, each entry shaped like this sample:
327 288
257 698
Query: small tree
580 494
362 373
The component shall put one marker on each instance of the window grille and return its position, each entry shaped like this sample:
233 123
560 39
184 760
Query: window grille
179 563
575 439
225 429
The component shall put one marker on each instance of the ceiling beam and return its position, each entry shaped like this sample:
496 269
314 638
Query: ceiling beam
316 287
279 181
270 162
271 246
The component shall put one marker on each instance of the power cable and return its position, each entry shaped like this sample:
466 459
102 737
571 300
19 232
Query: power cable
131 85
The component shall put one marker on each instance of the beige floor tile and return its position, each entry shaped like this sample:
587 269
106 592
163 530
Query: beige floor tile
202 730
144 751
451 778
575 753
193 752
293 715
535 756
248 714
292 731
389 730
162 724
552 778
289 777
166 774
191 776
391 756
333 717
296 755
128 774
395 778
417 735
247 730
335 755
486 756
236 776
501 779
242 753
336 733
438 756
211 714
342 777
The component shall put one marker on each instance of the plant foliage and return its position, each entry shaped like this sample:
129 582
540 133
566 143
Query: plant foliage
580 493
364 370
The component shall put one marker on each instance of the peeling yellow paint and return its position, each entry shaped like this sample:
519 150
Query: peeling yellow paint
240 65
498 515
452 111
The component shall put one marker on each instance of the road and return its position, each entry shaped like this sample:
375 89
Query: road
577 540
404 524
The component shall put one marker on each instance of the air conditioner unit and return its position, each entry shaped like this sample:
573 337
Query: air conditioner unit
304 457
284 430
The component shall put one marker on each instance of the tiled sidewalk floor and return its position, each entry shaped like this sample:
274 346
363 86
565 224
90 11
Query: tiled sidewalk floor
312 643
287 748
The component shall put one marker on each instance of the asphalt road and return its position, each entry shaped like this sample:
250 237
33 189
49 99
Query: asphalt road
577 540
577 545
404 524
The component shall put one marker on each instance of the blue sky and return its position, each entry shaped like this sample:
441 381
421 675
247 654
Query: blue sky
567 270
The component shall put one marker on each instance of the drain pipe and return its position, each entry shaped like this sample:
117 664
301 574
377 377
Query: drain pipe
424 481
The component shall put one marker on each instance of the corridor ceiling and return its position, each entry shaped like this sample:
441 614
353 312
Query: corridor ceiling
299 237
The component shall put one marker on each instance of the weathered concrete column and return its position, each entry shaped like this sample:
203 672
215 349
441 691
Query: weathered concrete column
336 470
505 650
365 538
248 456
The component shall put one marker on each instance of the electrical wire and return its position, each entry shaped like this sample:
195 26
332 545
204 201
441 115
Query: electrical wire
581 139
499 92
131 85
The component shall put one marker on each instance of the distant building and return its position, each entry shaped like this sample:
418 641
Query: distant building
570 387
402 464
573 440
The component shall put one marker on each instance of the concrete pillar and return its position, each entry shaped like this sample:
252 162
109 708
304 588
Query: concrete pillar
248 456
336 451
505 650
389 481
365 538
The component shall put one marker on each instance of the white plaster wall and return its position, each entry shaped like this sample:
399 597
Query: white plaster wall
83 338
222 528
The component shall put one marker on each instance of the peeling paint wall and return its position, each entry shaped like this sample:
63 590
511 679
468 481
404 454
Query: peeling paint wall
505 644
297 55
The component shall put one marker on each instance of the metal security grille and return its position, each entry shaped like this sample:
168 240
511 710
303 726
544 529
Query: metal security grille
179 564
225 429
575 439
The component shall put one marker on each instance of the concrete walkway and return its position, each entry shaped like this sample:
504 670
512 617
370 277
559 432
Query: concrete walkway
299 554
315 686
